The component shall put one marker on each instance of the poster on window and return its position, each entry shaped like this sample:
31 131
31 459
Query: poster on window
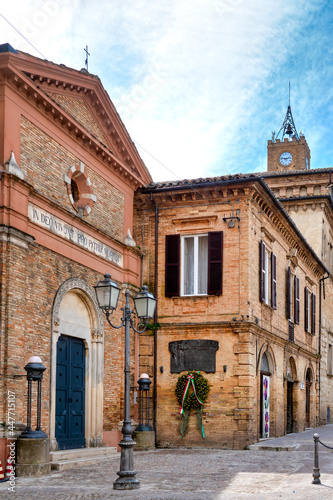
265 405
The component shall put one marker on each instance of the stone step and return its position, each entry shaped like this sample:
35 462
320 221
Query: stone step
271 447
66 459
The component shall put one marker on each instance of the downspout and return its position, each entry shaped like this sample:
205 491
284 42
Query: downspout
155 318
321 287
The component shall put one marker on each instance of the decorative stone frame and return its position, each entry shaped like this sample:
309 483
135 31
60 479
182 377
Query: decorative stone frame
94 344
267 349
79 189
292 376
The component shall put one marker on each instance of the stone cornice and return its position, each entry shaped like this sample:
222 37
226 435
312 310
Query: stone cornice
294 241
211 194
322 203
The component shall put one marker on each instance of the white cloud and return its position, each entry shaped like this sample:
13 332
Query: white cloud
192 81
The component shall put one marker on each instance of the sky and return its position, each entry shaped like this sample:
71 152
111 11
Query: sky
199 84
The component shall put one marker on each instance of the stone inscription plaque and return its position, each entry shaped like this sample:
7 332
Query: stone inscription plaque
193 355
71 233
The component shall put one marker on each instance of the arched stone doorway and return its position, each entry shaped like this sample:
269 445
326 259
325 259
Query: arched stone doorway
291 410
77 348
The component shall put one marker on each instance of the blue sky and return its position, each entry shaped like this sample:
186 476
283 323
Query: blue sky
199 84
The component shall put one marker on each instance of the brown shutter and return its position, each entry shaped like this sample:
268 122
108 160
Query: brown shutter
313 314
296 299
306 310
289 297
262 293
215 262
273 280
172 265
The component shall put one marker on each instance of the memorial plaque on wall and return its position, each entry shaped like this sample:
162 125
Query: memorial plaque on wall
193 355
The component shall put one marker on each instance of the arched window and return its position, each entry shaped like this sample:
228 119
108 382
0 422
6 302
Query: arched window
264 366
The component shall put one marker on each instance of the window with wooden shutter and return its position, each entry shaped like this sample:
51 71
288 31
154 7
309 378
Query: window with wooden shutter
313 313
273 280
306 309
172 265
215 262
296 299
289 295
262 272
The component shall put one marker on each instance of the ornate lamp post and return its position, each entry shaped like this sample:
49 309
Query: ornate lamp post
107 294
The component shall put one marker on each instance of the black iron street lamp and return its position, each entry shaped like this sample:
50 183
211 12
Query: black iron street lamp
107 293
144 386
34 370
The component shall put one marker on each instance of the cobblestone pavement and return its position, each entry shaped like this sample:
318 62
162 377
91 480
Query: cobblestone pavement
191 474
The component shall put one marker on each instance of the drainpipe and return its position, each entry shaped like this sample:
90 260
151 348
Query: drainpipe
155 318
321 287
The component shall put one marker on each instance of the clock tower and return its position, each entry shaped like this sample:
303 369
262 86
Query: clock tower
289 153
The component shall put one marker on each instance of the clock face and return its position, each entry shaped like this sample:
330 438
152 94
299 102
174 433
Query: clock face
286 158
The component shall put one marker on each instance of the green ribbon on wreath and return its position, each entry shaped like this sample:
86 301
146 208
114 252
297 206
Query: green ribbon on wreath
190 379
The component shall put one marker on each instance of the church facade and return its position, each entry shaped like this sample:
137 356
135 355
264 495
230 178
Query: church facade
69 171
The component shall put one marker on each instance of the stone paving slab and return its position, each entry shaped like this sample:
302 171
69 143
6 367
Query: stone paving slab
185 474
297 441
197 474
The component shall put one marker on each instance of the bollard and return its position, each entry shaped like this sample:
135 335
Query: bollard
316 470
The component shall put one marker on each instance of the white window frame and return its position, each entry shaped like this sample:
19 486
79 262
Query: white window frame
196 265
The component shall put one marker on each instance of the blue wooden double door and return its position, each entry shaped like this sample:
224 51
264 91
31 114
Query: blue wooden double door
70 393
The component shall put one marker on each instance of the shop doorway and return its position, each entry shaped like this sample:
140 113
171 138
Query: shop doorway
290 409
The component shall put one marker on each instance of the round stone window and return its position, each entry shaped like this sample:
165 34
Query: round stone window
79 189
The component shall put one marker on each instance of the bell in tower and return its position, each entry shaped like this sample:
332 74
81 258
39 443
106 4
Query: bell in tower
288 150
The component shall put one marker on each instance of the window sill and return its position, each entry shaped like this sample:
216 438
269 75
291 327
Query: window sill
329 375
193 296
268 306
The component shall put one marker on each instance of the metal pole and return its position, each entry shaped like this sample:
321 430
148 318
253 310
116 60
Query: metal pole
39 405
126 479
29 406
316 470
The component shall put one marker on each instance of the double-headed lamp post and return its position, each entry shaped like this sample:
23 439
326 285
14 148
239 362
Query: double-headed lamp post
107 293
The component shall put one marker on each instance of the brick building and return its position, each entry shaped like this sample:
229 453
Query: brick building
69 171
231 265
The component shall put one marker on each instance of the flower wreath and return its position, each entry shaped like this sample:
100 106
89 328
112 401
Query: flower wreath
191 401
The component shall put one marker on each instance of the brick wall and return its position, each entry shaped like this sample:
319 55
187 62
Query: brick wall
77 107
46 162
30 278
